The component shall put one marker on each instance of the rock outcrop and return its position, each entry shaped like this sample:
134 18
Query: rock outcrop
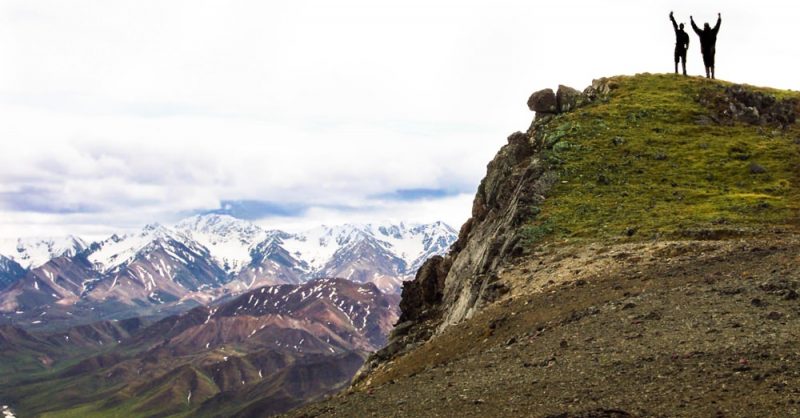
737 103
449 289
546 102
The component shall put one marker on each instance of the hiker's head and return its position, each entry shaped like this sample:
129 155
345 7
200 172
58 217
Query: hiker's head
681 26
706 26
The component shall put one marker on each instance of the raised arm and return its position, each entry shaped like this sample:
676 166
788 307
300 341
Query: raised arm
719 22
674 24
696 29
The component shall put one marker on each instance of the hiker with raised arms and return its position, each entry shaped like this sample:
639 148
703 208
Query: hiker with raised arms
681 43
708 43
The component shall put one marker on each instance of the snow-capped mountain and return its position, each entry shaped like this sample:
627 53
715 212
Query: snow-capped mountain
117 251
33 252
158 265
415 243
385 254
412 244
146 270
230 240
207 257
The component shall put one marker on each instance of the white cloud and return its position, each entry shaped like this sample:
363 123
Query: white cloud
143 110
453 210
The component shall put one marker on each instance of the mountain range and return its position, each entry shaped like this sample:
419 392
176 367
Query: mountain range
33 252
162 270
263 352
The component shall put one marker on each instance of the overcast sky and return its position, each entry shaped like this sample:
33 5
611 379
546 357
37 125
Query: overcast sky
114 114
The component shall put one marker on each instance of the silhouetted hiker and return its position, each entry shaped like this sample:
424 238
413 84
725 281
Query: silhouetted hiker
681 43
708 43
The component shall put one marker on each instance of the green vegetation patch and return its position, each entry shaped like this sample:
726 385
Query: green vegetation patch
650 162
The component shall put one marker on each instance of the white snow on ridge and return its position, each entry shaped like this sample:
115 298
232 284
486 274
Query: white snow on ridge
228 239
33 252
233 244
117 250
409 242
317 246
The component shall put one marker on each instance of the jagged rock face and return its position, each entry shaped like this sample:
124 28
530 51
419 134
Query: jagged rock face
515 182
449 289
421 296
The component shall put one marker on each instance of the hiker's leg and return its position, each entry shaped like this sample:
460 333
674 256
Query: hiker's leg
711 63
684 63
677 57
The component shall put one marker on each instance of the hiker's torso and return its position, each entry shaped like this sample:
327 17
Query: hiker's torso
681 39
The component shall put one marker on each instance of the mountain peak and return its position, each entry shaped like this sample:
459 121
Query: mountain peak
32 252
152 227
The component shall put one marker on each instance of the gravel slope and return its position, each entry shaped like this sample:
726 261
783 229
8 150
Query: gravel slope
683 329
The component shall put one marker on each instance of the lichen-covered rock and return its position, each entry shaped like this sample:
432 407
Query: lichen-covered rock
738 103
543 101
568 99
603 86
547 103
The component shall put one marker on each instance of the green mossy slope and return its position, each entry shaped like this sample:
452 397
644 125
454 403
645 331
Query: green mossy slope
649 162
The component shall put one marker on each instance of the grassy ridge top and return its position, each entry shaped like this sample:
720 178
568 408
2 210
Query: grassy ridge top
650 162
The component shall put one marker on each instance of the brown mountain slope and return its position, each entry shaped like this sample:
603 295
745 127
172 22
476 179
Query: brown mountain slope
670 329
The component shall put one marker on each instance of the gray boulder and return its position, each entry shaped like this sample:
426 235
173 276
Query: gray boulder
568 99
543 101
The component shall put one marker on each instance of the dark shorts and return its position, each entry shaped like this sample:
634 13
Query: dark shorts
680 53
708 57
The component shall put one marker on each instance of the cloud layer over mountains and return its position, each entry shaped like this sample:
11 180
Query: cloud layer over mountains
119 114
